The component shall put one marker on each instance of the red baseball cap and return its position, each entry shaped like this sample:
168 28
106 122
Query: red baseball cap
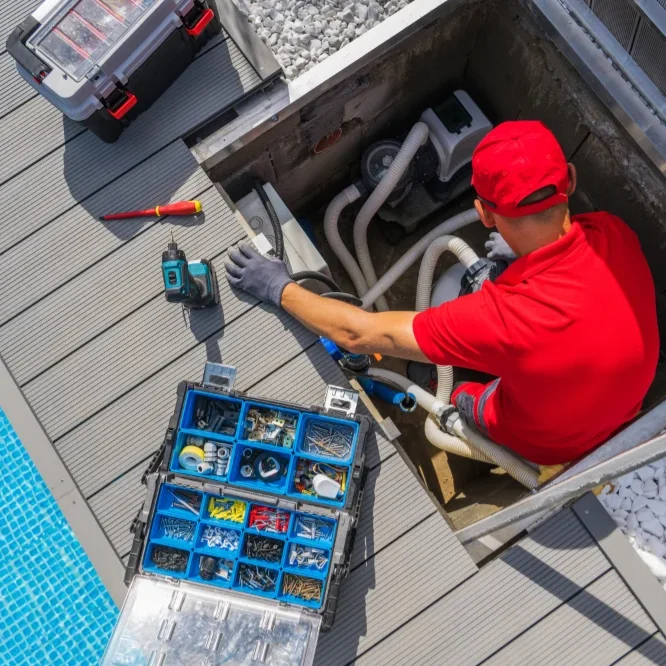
514 160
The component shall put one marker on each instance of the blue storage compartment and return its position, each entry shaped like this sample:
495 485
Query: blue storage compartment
263 550
258 580
269 425
307 560
268 520
223 565
328 439
308 528
158 558
301 590
306 468
218 540
226 511
180 502
248 463
212 416
189 451
173 531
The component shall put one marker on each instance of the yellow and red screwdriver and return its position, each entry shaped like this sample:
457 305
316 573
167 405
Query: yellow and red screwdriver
178 208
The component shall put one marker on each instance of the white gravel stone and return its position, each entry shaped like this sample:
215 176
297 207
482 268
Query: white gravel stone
613 502
657 507
637 486
626 491
626 504
653 527
645 473
644 515
639 503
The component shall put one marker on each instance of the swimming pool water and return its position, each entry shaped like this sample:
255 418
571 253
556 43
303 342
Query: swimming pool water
54 609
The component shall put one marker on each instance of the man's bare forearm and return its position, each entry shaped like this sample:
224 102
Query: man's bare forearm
352 328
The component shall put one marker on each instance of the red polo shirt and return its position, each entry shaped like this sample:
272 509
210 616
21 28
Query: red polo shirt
570 330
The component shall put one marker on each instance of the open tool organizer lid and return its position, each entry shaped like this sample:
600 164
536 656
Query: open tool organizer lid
165 621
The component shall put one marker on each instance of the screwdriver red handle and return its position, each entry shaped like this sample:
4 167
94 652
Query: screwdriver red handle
178 208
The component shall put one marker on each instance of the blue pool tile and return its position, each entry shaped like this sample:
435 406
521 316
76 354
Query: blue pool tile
54 609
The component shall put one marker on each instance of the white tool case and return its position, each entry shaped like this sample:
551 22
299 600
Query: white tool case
102 62
199 602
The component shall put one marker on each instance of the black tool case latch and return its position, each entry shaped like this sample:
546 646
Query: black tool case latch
22 54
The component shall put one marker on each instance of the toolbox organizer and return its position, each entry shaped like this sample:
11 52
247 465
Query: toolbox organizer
287 456
195 548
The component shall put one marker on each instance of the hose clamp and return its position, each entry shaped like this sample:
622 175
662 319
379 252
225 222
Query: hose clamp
447 417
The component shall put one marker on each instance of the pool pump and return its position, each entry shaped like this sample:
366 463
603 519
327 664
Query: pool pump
440 171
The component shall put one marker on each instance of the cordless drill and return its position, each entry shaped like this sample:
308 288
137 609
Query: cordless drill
191 283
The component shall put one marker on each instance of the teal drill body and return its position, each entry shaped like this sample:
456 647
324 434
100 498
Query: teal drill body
191 283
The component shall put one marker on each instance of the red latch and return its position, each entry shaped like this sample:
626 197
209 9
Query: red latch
128 104
201 24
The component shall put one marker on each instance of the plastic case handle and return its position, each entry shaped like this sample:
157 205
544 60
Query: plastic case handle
122 110
201 24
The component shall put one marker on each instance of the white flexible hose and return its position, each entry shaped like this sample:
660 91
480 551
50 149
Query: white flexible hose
464 252
389 278
417 136
500 456
335 208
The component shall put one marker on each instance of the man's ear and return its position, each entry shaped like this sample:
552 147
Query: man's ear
573 179
485 215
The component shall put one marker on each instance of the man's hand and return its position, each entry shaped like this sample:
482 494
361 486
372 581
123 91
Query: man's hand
498 248
263 277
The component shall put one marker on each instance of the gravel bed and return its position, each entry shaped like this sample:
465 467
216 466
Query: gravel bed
302 34
637 504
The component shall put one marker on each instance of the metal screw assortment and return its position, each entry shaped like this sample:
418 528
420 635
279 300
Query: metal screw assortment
328 440
230 510
263 548
271 426
266 519
218 537
169 559
211 567
220 416
306 470
177 528
307 589
307 527
304 556
257 578
182 499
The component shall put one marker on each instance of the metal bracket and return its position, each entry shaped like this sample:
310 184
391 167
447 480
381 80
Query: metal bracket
341 400
218 375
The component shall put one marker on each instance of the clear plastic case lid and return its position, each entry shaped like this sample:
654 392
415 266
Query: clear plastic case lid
81 32
179 624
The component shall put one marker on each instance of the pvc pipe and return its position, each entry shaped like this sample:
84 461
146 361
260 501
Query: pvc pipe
416 138
424 399
406 401
337 205
407 259
450 443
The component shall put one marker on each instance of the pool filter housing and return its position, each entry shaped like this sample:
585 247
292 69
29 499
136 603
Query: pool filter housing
103 62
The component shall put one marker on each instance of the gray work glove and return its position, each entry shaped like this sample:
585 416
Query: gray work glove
263 277
498 248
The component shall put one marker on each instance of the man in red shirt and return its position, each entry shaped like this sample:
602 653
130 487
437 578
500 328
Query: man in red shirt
569 328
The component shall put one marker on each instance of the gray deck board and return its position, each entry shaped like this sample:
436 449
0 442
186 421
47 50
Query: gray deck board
596 627
503 600
170 174
14 91
651 653
71 173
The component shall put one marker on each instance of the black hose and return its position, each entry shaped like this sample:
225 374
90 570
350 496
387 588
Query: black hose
345 298
272 216
316 275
